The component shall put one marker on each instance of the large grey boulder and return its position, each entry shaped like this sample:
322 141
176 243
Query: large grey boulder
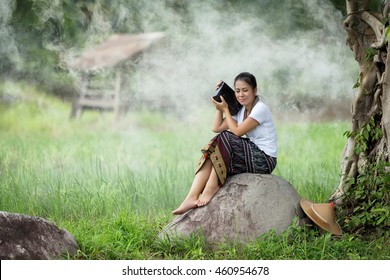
247 206
31 238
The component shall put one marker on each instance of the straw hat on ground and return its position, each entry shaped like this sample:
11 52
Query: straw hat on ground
322 214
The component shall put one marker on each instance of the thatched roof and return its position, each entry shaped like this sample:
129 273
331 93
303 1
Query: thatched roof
117 48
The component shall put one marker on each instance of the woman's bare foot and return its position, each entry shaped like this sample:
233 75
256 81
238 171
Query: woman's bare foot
186 205
206 196
202 202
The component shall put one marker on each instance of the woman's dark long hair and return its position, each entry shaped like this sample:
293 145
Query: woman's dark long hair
248 78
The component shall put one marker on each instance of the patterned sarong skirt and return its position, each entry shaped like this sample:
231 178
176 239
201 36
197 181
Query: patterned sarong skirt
230 154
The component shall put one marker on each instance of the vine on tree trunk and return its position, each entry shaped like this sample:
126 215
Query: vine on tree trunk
367 201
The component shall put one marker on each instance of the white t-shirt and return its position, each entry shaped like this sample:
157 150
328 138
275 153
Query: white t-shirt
263 135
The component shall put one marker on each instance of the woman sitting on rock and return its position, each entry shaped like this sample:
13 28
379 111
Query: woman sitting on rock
229 152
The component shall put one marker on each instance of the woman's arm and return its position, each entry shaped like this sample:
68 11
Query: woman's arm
247 125
219 123
230 123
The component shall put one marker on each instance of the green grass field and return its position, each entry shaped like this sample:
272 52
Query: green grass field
113 183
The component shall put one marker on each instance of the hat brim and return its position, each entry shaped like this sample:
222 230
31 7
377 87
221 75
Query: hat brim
310 210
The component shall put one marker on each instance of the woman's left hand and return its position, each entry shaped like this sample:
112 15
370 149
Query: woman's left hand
220 106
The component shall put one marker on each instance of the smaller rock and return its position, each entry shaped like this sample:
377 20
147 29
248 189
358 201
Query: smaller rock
24 237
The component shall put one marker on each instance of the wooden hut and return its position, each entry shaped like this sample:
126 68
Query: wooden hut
109 55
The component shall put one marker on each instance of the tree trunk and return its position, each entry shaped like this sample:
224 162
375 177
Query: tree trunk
370 123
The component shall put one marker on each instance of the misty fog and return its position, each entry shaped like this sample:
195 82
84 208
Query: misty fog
296 49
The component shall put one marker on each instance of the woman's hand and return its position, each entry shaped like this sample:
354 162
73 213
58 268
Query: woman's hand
220 106
219 83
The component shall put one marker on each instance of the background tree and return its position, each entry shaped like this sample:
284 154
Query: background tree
364 188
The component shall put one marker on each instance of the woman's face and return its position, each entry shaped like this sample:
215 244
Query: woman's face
245 94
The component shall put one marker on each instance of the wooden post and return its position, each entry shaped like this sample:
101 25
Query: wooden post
77 108
117 92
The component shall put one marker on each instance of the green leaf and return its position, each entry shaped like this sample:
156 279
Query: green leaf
381 220
387 32
379 210
357 84
369 54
